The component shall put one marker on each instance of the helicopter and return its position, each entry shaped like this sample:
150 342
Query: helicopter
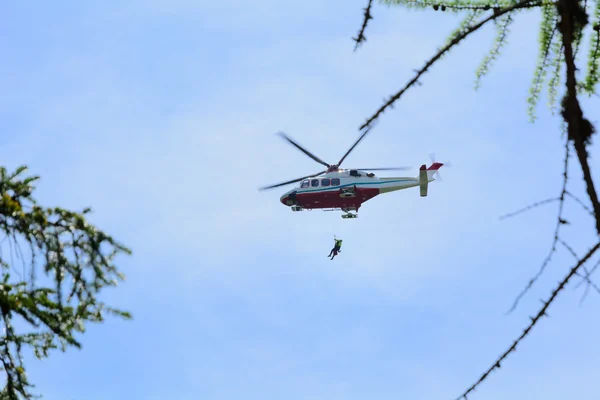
347 189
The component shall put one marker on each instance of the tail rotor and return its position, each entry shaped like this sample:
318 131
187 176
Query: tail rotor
434 160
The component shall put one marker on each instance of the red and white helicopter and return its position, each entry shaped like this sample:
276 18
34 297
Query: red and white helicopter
347 189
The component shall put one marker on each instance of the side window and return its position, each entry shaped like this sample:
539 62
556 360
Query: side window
335 181
304 184
325 182
314 183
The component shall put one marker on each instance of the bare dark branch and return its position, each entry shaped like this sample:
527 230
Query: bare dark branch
586 208
360 38
569 249
456 40
532 206
534 321
580 130
560 221
586 276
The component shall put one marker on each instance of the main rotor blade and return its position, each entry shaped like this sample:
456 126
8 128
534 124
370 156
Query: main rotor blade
353 146
302 149
385 169
292 181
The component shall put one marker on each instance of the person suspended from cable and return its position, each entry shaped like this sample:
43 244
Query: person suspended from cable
336 247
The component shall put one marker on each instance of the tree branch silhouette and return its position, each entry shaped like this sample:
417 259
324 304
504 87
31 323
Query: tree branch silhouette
78 260
547 37
534 321
561 32
586 208
453 42
580 130
586 277
559 222
360 38
530 207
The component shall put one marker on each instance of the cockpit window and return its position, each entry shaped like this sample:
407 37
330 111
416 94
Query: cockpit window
335 181
314 183
304 184
325 182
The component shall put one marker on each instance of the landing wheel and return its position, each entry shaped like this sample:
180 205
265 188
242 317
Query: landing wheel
349 215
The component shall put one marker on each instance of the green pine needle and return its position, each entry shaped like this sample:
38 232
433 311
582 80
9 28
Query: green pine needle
548 30
593 67
500 41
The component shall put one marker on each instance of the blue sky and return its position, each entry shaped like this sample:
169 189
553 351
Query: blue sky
160 115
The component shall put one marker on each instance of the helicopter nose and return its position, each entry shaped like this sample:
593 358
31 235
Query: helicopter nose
287 199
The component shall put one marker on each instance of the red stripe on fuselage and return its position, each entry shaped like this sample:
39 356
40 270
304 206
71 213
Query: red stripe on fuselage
332 199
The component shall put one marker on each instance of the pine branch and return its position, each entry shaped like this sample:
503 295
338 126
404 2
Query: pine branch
548 31
593 70
454 6
554 81
534 320
497 14
502 33
463 26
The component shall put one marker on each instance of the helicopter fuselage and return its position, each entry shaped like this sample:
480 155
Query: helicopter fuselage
345 189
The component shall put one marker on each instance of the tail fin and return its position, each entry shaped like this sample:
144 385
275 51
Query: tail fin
423 180
425 175
433 169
